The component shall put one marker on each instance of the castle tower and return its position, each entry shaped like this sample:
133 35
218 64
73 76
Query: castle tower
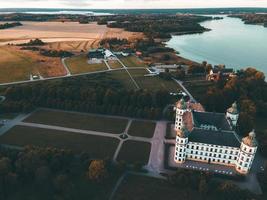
247 153
180 108
232 114
181 145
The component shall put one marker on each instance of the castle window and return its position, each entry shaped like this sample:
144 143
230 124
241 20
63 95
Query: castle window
250 150
213 160
226 151
220 151
219 155
231 152
202 148
230 157
246 165
247 159
215 150
229 162
197 148
224 156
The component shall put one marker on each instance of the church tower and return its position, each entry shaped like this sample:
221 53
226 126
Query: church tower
247 153
232 114
181 108
181 145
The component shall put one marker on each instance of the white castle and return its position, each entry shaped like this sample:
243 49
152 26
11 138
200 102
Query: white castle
211 137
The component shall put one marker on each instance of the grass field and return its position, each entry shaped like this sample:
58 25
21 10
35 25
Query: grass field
79 64
123 77
114 64
132 61
78 121
18 65
133 152
153 82
98 147
142 129
142 187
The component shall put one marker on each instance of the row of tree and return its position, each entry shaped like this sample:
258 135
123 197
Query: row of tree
95 94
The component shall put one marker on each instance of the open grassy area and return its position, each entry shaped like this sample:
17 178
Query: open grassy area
134 152
79 64
18 65
114 64
132 61
123 77
142 129
153 82
78 121
142 187
98 147
8 115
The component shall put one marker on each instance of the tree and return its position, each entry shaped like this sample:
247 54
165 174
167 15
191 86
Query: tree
5 168
203 187
97 170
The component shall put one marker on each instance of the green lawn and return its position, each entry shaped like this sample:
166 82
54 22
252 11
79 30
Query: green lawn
114 64
123 77
78 121
134 152
79 64
8 115
135 187
142 129
153 82
98 147
132 61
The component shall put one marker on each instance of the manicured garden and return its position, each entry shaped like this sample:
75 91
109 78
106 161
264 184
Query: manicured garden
97 146
142 129
134 152
78 121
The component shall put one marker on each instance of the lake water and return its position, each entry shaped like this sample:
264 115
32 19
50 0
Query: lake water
231 42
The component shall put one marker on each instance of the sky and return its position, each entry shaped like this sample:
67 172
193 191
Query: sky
119 4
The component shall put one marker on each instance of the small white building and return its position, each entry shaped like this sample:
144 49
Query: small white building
211 138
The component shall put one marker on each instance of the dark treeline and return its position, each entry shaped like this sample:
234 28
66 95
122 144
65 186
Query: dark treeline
249 89
208 186
10 25
49 173
252 18
94 94
156 26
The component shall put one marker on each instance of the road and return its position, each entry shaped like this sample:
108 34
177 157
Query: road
185 90
67 76
65 66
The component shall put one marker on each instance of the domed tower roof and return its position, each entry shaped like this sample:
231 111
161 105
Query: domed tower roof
233 109
181 104
250 140
183 133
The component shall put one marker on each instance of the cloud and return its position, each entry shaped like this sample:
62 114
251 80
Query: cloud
113 4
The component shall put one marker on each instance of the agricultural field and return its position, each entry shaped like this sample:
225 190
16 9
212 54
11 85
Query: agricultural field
132 61
18 65
114 64
133 152
142 129
153 82
73 46
79 65
150 188
97 146
78 121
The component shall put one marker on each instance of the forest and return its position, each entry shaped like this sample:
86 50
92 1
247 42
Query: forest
10 25
156 26
95 94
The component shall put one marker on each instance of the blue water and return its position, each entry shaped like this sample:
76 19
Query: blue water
231 42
